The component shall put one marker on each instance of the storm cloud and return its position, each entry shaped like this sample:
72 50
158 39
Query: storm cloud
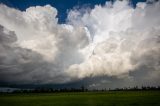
112 43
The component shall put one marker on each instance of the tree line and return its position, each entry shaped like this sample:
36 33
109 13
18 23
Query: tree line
83 89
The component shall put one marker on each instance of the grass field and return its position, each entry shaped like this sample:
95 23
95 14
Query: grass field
111 98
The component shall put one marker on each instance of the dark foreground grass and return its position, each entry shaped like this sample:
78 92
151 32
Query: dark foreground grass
111 98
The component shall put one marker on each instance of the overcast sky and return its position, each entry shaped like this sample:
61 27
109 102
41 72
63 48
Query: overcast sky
98 44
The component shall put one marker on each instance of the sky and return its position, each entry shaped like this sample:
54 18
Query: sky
63 6
95 43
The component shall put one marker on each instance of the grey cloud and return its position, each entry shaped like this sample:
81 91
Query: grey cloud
20 65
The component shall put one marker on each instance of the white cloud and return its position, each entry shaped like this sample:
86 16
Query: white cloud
111 40
118 32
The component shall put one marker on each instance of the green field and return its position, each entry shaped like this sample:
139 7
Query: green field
111 98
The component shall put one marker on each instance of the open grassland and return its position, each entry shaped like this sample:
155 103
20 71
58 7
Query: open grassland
110 98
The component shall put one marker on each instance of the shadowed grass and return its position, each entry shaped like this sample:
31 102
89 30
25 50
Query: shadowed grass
111 98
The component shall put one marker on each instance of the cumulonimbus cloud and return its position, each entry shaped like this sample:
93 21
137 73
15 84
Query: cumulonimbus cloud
112 40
